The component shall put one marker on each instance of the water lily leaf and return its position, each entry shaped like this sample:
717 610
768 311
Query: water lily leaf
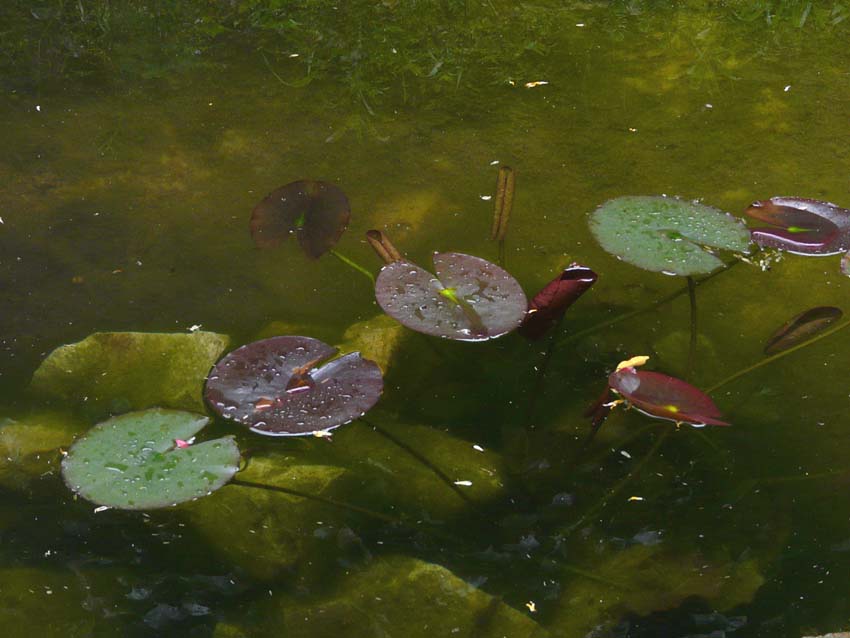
802 327
550 304
801 226
665 234
470 299
663 397
133 461
274 387
317 212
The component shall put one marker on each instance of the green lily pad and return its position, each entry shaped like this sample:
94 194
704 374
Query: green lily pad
141 460
111 372
665 234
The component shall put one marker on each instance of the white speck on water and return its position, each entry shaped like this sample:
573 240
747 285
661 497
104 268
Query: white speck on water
38 107
626 454
709 106
464 483
787 88
486 198
494 162
579 24
477 448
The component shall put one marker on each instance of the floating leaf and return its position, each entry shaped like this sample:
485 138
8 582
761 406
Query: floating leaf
801 226
665 234
470 299
663 397
133 462
317 212
550 304
274 387
801 328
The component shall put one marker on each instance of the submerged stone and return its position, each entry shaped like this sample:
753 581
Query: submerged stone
394 596
113 372
48 604
376 339
268 533
29 447
642 579
383 471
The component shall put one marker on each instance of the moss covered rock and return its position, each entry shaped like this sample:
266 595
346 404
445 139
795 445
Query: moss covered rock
266 533
112 372
645 578
395 596
384 468
29 447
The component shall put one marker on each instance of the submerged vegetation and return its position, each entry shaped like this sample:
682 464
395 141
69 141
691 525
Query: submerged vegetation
425 50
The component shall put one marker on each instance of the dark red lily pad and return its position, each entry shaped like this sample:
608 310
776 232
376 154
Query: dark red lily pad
317 212
274 386
663 397
801 226
801 328
550 304
470 299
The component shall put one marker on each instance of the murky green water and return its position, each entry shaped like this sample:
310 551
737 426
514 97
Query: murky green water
126 191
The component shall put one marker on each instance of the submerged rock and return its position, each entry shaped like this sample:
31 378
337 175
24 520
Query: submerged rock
113 372
48 604
29 447
382 470
376 339
394 596
268 533
642 579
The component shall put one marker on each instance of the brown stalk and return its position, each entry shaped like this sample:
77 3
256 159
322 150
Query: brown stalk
504 203
381 244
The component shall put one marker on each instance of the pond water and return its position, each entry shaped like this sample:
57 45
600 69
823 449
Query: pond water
137 142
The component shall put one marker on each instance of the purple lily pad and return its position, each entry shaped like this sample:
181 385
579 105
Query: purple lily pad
274 386
663 397
801 328
801 226
470 299
317 212
550 304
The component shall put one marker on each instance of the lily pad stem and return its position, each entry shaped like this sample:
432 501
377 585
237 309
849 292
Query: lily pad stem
779 355
322 499
692 346
575 336
445 478
353 264
628 478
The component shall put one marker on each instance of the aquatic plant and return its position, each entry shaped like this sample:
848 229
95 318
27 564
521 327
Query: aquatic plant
668 235
469 299
277 386
671 236
803 227
547 307
801 328
316 212
148 460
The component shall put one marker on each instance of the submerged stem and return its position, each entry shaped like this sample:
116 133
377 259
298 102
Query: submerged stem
692 345
773 358
322 499
445 478
353 264
621 484
652 306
